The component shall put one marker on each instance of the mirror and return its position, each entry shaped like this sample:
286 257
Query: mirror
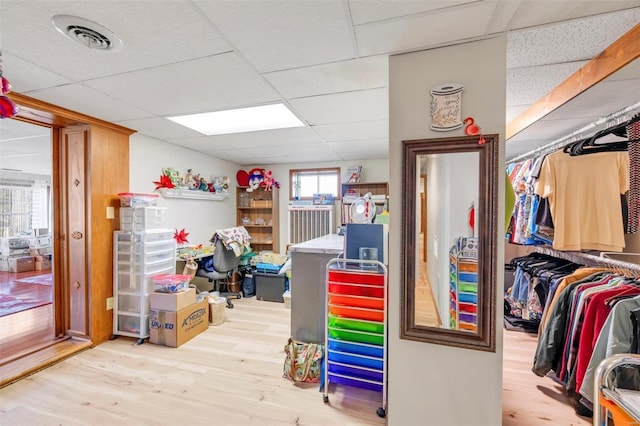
449 211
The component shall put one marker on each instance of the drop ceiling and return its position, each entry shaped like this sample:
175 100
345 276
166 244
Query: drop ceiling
327 60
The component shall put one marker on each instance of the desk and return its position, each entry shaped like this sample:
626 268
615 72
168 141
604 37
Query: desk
308 289
201 283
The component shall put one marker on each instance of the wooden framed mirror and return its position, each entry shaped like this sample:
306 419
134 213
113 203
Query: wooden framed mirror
448 266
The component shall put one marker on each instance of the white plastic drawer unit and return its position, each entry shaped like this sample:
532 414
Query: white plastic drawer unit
148 258
129 302
153 247
142 218
130 325
146 237
128 281
150 267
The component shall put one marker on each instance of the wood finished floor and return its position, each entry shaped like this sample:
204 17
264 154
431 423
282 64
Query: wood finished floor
231 375
22 331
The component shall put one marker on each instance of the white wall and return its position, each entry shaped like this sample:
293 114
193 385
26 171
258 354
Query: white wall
372 171
434 384
200 218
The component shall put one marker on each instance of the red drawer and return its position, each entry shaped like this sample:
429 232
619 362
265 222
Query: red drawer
356 277
356 290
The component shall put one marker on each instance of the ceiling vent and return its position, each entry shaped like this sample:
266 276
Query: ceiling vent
87 33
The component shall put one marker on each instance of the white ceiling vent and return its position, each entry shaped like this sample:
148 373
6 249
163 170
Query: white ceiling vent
87 33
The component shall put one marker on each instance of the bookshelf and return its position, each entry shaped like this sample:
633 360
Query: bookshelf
257 211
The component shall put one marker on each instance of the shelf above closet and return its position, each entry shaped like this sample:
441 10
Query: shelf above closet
192 194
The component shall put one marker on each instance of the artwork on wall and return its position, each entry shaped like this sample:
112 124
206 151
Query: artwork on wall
446 107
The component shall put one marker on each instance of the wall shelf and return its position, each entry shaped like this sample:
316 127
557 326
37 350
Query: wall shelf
193 194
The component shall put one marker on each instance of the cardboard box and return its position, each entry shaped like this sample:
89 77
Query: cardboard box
172 301
21 264
44 265
175 328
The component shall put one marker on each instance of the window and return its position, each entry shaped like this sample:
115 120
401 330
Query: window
306 182
23 206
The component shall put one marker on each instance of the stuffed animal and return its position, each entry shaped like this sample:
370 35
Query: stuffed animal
255 178
217 183
225 184
269 182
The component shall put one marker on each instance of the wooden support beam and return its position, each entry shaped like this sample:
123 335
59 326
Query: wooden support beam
620 53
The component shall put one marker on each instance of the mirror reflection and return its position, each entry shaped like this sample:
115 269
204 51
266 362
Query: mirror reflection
446 280
449 212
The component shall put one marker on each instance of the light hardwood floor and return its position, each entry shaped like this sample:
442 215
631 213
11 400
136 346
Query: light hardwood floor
231 375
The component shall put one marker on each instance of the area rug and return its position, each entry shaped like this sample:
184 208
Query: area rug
44 279
11 304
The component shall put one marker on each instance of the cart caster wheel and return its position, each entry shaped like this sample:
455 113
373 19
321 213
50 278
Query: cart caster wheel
325 398
139 341
381 412
113 337
229 304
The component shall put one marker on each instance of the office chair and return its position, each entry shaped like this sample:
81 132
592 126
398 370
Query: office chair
225 264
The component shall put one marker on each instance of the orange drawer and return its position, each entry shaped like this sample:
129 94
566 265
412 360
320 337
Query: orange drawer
357 313
358 302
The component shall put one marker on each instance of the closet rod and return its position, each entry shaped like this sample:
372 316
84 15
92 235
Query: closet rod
588 259
572 137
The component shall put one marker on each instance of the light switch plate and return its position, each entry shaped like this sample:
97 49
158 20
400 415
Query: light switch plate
111 213
109 303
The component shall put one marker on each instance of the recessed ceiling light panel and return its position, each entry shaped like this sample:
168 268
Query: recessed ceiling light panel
87 33
252 119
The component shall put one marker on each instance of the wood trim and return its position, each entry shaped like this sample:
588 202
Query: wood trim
37 111
620 53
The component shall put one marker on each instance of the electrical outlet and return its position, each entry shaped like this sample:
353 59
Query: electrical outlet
109 303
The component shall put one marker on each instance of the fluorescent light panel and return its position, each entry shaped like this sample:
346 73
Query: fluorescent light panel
265 117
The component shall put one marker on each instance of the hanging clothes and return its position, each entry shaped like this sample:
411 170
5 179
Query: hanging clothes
633 199
584 197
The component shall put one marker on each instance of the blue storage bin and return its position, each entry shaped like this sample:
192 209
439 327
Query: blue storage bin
268 268
468 298
356 348
357 360
468 277
356 383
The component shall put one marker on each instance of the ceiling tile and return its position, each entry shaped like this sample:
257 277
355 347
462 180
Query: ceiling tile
527 85
576 40
350 131
25 77
531 14
360 145
79 97
263 139
549 131
365 105
502 15
153 33
421 31
598 101
364 11
336 77
290 34
288 150
365 155
160 128
514 111
299 158
207 84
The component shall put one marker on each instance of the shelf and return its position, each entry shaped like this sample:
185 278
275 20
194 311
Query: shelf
255 208
258 226
192 194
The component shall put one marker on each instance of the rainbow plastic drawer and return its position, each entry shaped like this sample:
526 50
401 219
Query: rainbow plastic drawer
356 277
356 290
357 325
355 372
356 360
357 313
357 301
356 348
356 336
342 380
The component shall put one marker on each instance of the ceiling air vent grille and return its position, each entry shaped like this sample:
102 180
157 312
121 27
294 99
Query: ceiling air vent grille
87 33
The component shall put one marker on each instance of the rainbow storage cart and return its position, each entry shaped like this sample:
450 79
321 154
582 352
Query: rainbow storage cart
463 284
356 318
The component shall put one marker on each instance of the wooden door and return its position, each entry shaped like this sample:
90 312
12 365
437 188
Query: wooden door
75 277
